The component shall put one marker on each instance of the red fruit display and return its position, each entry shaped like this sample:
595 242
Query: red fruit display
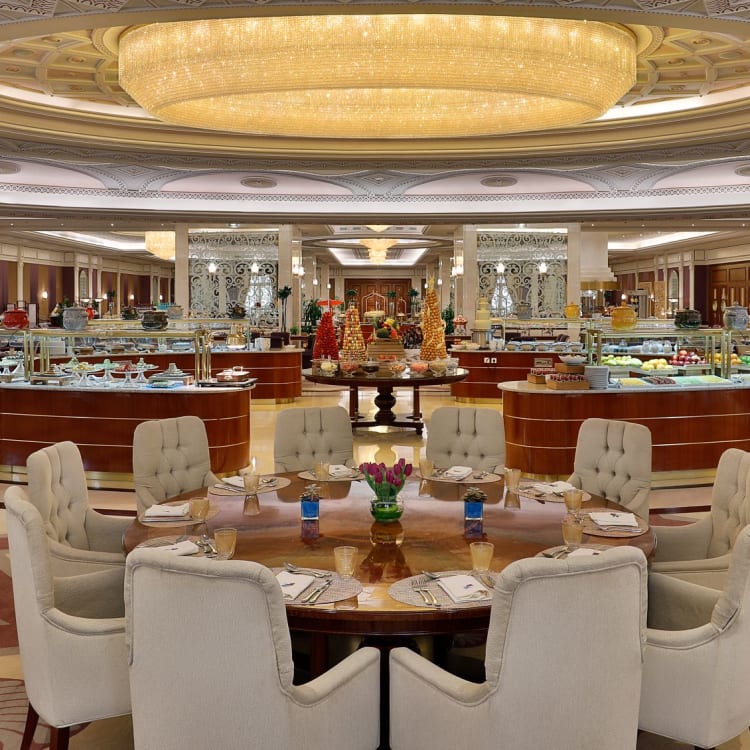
325 338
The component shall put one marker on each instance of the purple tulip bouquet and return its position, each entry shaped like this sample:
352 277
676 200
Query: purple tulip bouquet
386 483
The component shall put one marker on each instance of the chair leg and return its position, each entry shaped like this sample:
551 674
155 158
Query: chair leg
32 719
59 738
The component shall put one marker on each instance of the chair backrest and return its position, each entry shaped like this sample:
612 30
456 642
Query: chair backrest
233 625
66 664
170 456
730 500
465 436
304 436
583 621
57 488
613 459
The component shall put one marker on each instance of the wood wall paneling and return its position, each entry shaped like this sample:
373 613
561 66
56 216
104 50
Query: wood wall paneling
365 287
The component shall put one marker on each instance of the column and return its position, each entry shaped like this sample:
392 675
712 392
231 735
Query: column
573 270
181 267
470 280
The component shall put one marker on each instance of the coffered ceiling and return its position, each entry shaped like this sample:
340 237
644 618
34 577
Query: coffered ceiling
668 167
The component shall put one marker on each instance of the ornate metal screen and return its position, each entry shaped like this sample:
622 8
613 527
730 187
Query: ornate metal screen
246 274
519 280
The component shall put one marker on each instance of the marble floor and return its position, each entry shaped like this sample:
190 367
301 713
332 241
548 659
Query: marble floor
378 444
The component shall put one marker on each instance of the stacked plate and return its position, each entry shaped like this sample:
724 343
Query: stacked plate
597 375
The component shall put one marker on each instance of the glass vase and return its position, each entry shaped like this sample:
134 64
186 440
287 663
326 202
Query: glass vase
386 506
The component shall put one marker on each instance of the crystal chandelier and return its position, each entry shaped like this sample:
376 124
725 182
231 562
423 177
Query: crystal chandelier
377 249
161 244
378 76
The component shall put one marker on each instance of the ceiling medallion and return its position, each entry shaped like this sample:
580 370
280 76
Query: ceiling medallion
259 182
498 181
378 76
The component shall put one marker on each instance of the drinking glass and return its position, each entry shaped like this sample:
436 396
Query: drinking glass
321 470
426 467
481 556
573 500
345 559
572 532
225 540
199 508
251 480
512 479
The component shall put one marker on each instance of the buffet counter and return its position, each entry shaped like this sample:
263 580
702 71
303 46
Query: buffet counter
690 426
101 421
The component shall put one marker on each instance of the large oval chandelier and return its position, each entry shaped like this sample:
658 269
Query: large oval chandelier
378 76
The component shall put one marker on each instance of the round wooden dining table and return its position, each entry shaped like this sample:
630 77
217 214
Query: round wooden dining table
431 536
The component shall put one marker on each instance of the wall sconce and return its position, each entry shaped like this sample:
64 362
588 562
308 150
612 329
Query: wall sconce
161 298
44 294
440 282
315 282
254 267
131 297
212 267
543 267
623 297
457 271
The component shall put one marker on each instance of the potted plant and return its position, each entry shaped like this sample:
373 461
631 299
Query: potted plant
283 295
311 314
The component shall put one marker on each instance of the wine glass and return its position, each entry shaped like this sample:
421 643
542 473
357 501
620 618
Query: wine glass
572 533
573 500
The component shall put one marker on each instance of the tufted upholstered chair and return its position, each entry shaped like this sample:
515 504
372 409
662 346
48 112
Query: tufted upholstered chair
613 460
465 436
697 656
239 693
572 617
700 552
81 540
170 456
71 633
304 436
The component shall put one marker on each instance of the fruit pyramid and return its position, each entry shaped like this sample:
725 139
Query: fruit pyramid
433 333
354 342
325 338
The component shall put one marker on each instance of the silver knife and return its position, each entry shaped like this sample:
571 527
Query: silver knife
312 598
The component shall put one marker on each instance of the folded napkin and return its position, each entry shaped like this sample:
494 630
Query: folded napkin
293 584
553 488
583 552
339 470
614 520
167 511
185 547
236 481
464 588
457 472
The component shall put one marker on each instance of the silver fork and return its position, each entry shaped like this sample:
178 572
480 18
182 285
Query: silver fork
420 584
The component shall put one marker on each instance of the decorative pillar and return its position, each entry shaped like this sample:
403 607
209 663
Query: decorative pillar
181 267
470 279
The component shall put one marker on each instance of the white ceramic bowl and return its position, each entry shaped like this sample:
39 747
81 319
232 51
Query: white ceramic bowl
572 359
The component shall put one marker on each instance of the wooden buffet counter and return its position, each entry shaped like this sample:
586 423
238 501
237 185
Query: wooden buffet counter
690 427
101 421
279 371
488 368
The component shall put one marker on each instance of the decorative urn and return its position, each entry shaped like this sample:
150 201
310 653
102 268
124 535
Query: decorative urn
154 320
687 319
75 318
735 318
624 318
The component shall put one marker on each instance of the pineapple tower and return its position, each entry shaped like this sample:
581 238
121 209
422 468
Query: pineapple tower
433 333
325 338
354 341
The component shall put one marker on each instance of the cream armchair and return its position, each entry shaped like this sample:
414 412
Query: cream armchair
71 633
697 656
304 436
613 460
81 539
465 436
238 691
170 456
700 552
559 632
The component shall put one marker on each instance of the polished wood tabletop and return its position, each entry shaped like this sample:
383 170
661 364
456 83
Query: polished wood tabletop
385 400
431 535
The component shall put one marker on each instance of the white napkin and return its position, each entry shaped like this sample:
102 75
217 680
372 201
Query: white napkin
167 511
185 547
583 552
464 588
293 584
339 470
457 472
553 487
613 519
236 481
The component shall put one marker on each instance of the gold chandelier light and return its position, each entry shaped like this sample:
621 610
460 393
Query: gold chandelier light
377 248
161 244
378 76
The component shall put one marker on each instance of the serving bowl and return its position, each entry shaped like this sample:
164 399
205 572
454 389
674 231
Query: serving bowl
572 359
